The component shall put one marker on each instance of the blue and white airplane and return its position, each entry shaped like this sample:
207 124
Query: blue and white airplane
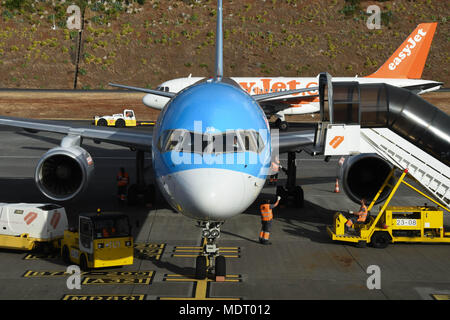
211 150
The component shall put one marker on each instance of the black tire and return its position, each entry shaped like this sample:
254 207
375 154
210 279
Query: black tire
277 122
102 123
83 263
200 267
120 123
380 239
283 126
221 267
65 255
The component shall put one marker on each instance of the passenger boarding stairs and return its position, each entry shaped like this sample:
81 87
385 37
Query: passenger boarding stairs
429 172
396 124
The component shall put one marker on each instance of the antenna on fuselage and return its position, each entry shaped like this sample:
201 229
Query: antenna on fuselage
219 43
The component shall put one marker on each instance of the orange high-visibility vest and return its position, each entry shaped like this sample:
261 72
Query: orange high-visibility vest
266 212
363 215
122 180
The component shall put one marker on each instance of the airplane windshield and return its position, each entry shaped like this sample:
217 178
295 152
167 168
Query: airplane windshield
228 142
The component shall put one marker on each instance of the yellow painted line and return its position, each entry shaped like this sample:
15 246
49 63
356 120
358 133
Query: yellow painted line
191 278
200 289
196 280
441 296
220 250
91 274
201 286
115 281
104 297
192 299
200 248
41 256
196 255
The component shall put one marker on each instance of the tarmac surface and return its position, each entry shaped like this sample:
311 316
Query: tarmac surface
301 263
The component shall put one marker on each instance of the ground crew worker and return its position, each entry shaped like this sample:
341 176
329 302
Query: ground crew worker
360 216
266 221
275 168
105 233
122 184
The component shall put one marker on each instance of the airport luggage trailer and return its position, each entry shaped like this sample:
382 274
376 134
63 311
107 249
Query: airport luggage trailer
394 223
29 226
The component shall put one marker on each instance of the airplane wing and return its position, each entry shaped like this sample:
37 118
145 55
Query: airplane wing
156 92
284 142
293 141
273 106
280 94
132 139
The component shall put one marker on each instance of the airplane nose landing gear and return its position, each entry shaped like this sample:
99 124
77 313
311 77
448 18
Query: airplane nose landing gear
210 259
291 191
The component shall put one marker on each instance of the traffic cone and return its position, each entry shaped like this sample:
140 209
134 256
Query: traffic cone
336 186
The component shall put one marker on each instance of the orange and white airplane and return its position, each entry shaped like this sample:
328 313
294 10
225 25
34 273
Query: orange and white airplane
403 69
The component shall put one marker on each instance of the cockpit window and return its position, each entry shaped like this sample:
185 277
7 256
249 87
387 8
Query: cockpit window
228 142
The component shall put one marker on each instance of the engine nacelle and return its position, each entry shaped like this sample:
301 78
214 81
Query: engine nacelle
363 175
64 172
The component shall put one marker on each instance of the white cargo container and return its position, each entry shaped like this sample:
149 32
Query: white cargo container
23 226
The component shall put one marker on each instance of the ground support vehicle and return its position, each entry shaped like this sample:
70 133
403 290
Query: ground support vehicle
394 223
28 226
119 120
102 240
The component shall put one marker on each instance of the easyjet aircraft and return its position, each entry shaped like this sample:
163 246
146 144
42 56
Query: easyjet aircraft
403 69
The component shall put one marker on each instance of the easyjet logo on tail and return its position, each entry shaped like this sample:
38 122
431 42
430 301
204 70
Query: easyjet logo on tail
408 61
407 50
336 141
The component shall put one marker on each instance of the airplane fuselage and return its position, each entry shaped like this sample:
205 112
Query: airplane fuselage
211 151
255 85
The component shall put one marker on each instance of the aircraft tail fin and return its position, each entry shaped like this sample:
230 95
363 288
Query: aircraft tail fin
408 60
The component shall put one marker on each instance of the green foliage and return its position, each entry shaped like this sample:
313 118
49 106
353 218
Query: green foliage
351 7
14 4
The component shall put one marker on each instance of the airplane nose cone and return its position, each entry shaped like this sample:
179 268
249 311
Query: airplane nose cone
213 194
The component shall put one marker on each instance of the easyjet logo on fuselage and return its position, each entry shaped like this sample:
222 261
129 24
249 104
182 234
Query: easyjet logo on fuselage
336 141
268 86
407 50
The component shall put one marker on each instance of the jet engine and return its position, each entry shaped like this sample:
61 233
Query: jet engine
63 172
363 175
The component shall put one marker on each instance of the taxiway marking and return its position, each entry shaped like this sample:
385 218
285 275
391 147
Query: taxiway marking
201 287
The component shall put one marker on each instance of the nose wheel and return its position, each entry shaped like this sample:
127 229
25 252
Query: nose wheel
210 261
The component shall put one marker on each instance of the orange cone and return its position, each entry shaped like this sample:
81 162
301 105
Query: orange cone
336 187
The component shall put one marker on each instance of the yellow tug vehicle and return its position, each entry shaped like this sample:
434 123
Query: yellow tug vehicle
102 240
